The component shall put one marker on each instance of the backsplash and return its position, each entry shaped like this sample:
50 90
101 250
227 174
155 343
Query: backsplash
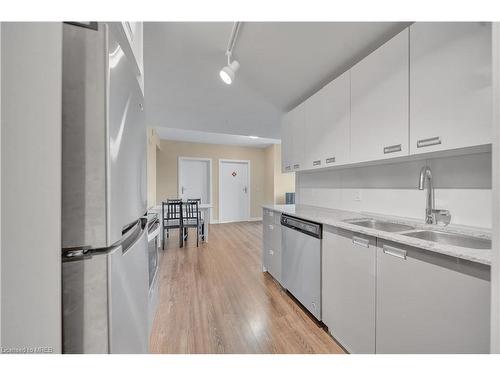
462 185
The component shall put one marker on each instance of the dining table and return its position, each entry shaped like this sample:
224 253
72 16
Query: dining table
205 211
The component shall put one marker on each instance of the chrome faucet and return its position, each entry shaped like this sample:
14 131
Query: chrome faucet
432 215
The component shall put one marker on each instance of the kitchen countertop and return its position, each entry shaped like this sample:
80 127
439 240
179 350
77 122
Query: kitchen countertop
343 219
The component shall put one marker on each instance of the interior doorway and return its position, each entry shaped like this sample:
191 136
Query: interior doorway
195 179
234 190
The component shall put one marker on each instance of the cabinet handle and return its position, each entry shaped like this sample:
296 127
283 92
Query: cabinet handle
330 160
296 166
428 142
316 163
398 253
391 149
360 241
288 168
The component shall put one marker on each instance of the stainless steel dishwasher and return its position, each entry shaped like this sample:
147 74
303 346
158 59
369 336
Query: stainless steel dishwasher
301 261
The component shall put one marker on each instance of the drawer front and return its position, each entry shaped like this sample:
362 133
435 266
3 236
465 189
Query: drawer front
267 216
274 264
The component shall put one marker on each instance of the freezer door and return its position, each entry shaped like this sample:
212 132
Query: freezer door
127 192
128 297
84 142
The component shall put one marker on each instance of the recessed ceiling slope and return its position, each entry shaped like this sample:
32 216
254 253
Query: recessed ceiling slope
183 135
282 63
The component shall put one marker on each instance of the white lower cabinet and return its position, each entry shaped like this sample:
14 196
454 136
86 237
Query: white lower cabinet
348 288
271 244
430 303
383 297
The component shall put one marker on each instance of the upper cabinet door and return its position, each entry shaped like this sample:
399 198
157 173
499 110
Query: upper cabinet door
314 109
379 102
327 120
450 85
286 144
333 139
297 131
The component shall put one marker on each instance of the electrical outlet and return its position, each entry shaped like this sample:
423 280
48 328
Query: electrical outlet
357 196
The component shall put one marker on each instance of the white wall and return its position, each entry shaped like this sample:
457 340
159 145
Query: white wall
462 185
31 185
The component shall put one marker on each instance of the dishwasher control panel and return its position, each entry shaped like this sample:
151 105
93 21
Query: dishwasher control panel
307 227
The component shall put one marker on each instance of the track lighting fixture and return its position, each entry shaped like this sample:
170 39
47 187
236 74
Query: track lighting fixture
228 72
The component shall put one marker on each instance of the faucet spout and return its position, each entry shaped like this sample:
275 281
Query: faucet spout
426 175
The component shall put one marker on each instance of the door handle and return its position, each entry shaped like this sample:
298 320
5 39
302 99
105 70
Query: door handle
245 189
360 241
428 142
390 149
398 253
182 189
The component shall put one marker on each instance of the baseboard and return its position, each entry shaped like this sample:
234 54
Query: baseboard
216 221
255 219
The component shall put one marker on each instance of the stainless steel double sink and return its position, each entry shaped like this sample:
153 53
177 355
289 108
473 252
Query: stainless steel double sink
445 238
386 226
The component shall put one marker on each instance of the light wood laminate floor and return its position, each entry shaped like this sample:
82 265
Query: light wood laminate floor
216 299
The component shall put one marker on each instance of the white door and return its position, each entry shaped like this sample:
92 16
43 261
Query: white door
194 179
234 191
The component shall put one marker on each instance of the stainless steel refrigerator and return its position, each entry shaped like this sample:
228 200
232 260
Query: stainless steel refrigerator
104 234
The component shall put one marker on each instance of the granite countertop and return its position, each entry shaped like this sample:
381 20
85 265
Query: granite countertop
344 219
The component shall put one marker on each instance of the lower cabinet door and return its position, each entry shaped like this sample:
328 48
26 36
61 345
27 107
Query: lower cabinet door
430 303
274 262
348 290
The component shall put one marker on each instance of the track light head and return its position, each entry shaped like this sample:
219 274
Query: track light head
227 73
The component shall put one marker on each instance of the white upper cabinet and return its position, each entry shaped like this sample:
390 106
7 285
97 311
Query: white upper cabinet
333 141
450 85
379 102
286 142
292 139
313 118
297 133
327 118
427 89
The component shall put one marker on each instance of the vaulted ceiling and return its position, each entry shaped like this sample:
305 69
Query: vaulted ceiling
282 63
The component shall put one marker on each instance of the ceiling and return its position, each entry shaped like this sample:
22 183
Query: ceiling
282 63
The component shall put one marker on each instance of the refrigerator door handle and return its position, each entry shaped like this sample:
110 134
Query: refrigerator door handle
131 234
138 232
